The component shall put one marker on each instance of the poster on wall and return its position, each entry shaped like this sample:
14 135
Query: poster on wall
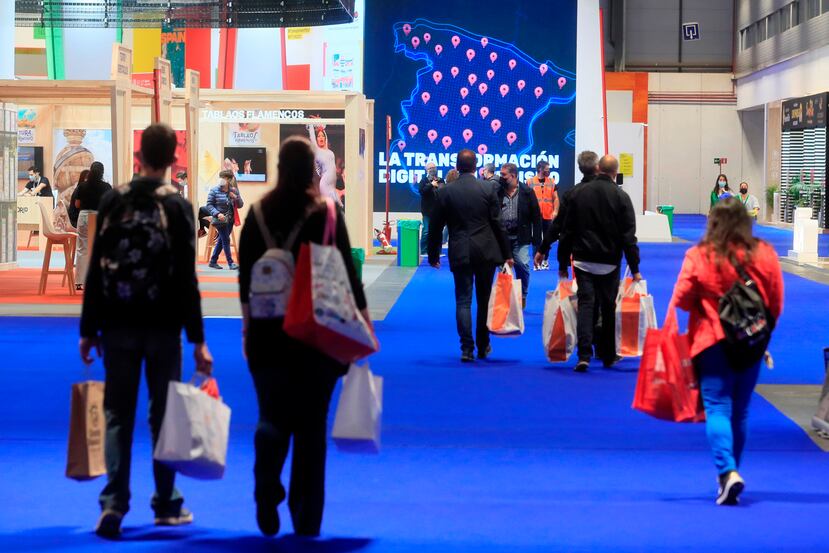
76 149
457 80
248 164
181 153
26 124
244 134
328 142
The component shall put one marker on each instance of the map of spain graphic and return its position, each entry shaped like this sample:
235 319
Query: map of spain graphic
474 91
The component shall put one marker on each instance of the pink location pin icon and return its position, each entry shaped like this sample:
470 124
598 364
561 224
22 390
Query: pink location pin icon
465 110
456 40
432 134
447 141
427 37
470 54
482 149
472 78
425 97
511 138
413 130
437 76
495 124
521 84
519 112
543 69
490 74
538 91
401 145
438 49
484 112
454 72
415 41
467 135
482 88
561 82
464 92
484 42
512 64
443 110
407 29
504 90
493 56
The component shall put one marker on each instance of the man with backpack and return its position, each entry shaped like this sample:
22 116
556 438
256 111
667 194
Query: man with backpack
141 290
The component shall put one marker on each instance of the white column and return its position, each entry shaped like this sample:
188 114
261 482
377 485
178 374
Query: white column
8 145
6 40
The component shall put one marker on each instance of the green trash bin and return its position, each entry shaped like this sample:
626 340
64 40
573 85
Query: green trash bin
408 243
358 255
668 211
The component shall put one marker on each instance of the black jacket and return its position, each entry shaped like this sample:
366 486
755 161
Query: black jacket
529 214
471 210
599 226
554 230
429 194
181 305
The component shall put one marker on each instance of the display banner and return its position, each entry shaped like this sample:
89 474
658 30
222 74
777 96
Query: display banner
498 81
805 113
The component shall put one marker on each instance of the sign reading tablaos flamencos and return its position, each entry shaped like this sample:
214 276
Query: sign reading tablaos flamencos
805 113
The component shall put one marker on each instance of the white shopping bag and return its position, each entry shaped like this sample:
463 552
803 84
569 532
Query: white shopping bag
194 433
505 317
560 327
635 314
359 412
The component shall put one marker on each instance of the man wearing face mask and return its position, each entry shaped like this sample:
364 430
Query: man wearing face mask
429 186
37 185
749 201
521 216
547 194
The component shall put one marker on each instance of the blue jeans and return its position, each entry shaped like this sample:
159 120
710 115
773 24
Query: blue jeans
222 243
481 277
424 236
521 256
726 394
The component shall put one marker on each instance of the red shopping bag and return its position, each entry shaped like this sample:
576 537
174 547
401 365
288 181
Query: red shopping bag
667 386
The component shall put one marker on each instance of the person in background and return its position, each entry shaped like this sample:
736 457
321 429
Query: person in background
87 199
477 245
488 175
38 185
599 227
720 189
341 180
547 193
71 210
143 329
326 162
182 183
451 177
429 185
65 216
707 273
221 202
293 381
749 201
522 220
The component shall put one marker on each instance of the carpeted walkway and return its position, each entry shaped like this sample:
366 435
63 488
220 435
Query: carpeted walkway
512 454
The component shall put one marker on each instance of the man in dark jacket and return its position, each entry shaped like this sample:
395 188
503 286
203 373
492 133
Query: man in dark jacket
138 321
599 226
521 216
488 175
477 244
429 186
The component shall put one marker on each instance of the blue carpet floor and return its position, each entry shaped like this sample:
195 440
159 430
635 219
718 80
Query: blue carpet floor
512 454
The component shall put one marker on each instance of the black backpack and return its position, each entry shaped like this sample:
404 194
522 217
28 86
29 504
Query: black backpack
136 253
746 322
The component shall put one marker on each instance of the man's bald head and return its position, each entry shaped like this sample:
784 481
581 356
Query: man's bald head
609 166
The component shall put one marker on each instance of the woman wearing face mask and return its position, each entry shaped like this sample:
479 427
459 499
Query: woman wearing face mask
749 201
720 189
221 202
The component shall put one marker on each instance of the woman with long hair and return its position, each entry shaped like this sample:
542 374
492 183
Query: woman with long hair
326 162
720 189
293 381
710 269
87 199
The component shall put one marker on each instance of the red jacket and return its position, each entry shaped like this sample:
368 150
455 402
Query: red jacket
702 281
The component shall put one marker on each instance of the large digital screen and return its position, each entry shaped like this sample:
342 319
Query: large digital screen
452 76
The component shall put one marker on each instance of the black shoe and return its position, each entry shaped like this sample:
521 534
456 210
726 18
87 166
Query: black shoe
215 266
233 267
608 364
267 517
467 357
182 518
485 353
109 524
731 486
581 366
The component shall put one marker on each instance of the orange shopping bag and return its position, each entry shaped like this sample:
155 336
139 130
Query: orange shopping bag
505 316
635 314
560 327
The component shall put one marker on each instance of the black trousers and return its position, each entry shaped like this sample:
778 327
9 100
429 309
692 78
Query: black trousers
480 277
125 350
597 297
293 403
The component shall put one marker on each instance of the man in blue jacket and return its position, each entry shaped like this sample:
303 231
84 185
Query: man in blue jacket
222 201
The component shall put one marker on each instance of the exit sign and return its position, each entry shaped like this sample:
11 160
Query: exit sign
720 160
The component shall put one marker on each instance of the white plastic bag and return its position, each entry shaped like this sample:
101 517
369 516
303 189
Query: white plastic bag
635 314
560 327
194 433
505 316
358 420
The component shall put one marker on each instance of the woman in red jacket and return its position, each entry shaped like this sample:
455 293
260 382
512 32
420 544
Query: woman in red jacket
707 274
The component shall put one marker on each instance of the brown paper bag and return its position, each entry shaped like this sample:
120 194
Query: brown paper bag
87 428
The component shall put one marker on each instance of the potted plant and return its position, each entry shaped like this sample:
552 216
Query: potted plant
771 190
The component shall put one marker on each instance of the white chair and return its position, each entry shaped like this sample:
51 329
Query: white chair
65 239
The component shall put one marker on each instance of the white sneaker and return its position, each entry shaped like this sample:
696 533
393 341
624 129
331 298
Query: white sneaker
731 486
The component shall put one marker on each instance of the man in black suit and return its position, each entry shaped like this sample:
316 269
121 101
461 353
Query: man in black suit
477 245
